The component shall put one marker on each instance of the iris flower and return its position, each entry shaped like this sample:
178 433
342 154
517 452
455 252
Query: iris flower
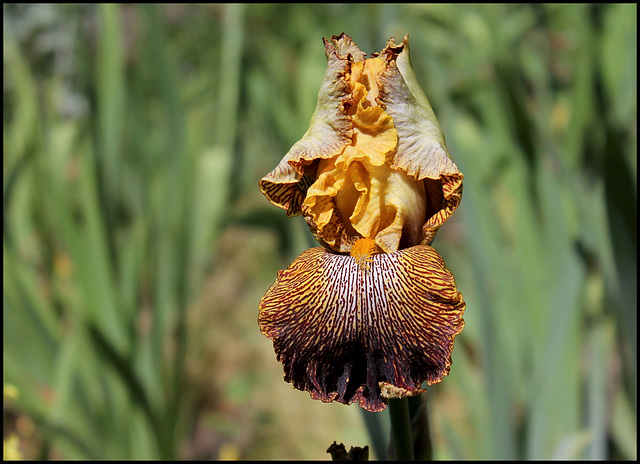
371 314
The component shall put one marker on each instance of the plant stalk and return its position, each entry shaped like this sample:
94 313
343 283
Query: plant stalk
401 429
420 428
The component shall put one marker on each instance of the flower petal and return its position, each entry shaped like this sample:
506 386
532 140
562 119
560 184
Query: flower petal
330 131
422 151
345 46
350 332
374 107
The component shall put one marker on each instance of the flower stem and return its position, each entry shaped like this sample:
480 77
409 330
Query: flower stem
401 429
420 428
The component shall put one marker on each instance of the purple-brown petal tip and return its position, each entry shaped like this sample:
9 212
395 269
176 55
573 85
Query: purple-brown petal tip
351 333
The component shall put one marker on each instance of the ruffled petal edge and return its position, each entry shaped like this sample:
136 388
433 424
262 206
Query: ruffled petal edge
352 332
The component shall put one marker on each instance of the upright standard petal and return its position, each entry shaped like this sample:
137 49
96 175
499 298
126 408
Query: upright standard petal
373 162
422 151
330 131
363 328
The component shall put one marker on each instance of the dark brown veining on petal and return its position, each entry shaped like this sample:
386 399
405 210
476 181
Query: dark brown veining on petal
342 330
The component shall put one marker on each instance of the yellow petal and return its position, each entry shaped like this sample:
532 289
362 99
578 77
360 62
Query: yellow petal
392 211
352 333
371 201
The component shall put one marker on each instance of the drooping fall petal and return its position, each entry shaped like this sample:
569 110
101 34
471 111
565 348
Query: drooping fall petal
363 328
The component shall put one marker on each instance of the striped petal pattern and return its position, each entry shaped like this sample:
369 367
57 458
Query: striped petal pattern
357 333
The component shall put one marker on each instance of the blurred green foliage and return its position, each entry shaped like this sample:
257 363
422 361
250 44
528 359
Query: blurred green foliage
136 244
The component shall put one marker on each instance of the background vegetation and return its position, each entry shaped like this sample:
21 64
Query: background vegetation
136 245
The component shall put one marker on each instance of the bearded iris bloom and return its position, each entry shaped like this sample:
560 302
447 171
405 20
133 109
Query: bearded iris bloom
371 314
